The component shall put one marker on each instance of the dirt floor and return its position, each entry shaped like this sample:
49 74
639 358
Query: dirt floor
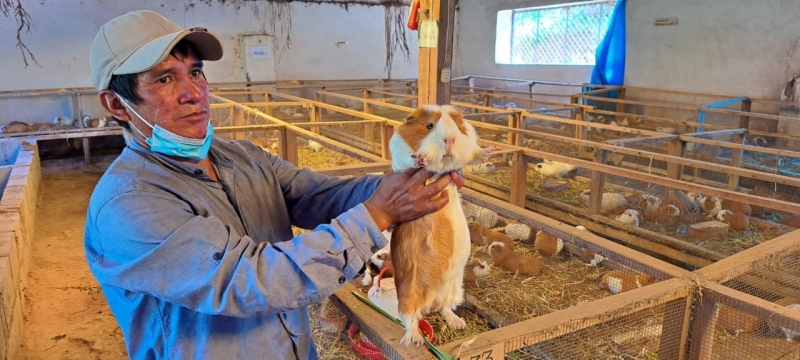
65 312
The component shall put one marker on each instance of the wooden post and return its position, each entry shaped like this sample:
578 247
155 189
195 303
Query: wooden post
675 148
386 134
705 323
314 118
621 96
514 123
736 161
597 184
519 172
436 50
744 120
369 129
675 329
267 99
288 146
318 109
238 120
77 115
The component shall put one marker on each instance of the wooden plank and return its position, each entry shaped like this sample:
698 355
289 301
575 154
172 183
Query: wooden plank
675 329
288 145
744 120
572 319
756 257
386 135
381 331
691 124
355 169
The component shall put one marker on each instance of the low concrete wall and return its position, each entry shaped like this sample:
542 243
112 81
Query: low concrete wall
17 216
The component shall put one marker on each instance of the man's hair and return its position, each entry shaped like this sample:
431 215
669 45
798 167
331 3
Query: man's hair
125 85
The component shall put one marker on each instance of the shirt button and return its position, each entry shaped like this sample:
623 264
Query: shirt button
342 279
217 256
374 248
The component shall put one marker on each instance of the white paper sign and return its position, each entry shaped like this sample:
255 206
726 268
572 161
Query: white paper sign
259 53
428 34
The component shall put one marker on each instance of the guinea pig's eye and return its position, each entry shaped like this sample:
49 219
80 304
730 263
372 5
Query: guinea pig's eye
430 126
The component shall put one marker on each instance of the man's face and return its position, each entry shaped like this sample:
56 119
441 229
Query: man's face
175 96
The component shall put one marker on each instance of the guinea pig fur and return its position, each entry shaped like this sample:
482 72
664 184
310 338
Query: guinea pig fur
737 220
547 244
476 269
663 213
510 261
617 281
629 217
429 261
482 236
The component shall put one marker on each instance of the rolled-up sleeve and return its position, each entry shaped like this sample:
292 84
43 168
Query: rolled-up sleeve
154 244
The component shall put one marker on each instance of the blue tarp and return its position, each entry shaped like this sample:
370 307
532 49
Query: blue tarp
609 68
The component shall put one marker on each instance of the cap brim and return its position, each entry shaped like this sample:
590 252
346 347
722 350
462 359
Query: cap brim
208 46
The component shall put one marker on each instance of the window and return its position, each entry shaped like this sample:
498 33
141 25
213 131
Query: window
566 34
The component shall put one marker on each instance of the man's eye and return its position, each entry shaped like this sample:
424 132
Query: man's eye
163 80
197 72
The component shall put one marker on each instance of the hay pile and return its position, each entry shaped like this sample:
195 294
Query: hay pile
324 158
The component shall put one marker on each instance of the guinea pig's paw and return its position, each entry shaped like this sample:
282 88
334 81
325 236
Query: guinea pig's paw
485 153
419 160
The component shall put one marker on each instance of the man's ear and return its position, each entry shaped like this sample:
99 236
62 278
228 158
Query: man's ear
113 105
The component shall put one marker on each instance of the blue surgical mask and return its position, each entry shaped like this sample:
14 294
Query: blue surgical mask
168 143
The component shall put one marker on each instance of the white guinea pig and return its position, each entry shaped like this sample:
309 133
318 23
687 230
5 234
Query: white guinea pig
429 260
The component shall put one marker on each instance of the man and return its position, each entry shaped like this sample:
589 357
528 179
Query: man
190 236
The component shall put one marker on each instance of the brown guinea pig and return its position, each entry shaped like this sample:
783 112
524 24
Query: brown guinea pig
510 261
429 261
476 269
617 281
663 213
547 244
737 220
482 236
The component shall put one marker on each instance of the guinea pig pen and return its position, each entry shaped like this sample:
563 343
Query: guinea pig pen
65 121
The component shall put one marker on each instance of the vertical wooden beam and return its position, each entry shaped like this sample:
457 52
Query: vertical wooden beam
736 161
519 171
267 99
238 120
369 129
514 123
675 148
386 134
314 118
597 185
318 98
288 146
621 96
77 115
705 323
744 120
675 329
435 56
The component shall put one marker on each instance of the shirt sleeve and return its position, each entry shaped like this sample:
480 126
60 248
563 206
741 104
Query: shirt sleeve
313 198
152 243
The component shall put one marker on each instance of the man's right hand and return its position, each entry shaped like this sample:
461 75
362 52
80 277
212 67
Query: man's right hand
403 196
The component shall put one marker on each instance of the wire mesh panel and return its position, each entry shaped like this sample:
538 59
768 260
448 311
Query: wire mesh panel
639 335
559 35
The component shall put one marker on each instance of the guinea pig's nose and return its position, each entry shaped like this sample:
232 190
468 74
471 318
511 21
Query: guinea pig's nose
449 140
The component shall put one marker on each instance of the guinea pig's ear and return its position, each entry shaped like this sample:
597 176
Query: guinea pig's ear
456 114
419 115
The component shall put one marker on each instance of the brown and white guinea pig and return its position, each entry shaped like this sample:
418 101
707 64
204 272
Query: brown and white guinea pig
476 269
713 205
379 261
15 127
482 236
510 261
630 217
547 244
429 260
663 213
737 220
617 281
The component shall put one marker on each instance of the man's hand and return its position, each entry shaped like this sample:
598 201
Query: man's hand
403 196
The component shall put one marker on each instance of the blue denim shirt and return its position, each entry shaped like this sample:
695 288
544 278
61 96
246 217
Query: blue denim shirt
194 268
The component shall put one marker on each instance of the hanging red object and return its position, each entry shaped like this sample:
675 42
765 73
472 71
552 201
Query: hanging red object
413 15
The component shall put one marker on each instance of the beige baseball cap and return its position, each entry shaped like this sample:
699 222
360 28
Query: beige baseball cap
140 40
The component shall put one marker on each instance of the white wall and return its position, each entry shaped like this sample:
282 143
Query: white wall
64 29
473 50
731 47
